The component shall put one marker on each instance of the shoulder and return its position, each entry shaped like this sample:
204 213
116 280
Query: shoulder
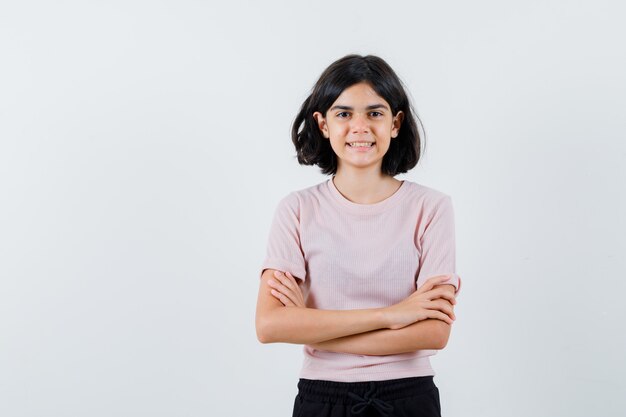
295 200
429 198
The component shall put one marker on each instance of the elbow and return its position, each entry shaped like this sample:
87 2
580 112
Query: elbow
261 332
443 335
443 342
264 332
263 339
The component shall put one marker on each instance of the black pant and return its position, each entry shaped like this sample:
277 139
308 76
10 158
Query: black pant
403 397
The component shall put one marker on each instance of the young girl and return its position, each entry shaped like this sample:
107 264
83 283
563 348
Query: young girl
360 268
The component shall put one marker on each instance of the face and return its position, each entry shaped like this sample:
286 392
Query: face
359 115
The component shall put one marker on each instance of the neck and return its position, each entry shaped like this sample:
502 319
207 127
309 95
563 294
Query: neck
365 187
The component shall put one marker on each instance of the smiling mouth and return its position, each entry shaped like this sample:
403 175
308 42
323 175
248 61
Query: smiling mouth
360 144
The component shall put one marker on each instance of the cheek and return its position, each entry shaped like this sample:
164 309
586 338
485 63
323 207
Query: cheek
382 131
337 134
338 128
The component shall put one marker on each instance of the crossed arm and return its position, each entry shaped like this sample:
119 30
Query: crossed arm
425 334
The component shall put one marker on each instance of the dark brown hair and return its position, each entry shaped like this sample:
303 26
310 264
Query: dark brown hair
313 149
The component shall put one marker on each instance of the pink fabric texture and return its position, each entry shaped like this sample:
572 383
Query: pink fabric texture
356 256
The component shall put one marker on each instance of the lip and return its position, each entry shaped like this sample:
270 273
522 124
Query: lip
361 148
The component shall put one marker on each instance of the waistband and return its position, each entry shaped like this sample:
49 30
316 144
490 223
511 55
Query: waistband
351 392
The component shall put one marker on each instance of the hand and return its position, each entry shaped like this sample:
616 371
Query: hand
287 290
427 302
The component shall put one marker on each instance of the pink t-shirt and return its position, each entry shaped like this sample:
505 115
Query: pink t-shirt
358 256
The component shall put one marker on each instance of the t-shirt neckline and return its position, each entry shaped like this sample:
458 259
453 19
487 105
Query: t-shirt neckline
373 208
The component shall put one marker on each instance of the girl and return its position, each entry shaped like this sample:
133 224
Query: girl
360 268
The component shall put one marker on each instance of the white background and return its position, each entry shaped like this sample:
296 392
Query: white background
145 145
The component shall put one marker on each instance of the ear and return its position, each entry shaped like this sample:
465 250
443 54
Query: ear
397 122
321 123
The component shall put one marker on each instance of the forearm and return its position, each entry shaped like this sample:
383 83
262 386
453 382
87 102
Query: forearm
425 334
300 325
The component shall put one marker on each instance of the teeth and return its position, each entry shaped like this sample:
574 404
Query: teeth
356 144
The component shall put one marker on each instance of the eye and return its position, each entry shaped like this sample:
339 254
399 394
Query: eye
343 114
376 114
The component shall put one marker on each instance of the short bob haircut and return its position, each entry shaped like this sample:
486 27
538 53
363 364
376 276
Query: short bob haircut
313 149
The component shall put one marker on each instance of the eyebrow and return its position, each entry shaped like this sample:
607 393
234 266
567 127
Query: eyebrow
370 107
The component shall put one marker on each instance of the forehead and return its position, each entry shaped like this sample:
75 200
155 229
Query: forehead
359 95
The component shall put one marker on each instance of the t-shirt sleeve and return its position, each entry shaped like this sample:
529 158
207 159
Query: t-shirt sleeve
284 251
436 245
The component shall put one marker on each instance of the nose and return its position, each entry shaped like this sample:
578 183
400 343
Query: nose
359 124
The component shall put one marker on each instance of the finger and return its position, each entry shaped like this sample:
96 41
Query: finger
447 308
283 298
282 277
278 285
436 314
293 279
437 280
294 296
444 317
288 281
431 282
448 296
440 292
296 284
296 291
442 305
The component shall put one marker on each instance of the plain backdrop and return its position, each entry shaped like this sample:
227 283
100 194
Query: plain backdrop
144 146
